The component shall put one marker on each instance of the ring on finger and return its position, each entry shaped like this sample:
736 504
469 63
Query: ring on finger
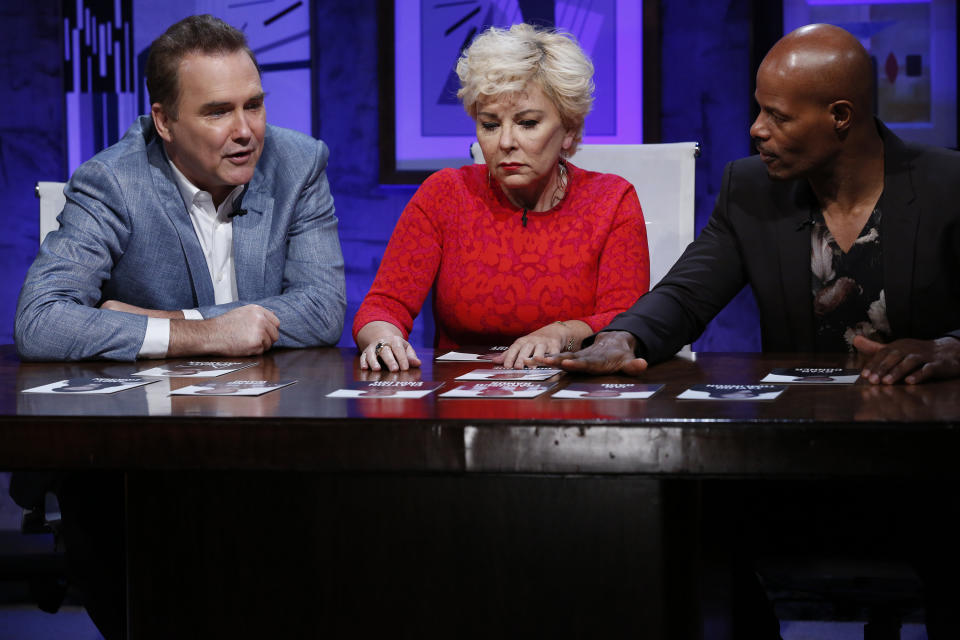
380 345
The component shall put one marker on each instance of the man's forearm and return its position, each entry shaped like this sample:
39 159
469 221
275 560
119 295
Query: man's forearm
245 331
115 305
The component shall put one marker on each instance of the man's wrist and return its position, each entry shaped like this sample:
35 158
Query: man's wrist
191 338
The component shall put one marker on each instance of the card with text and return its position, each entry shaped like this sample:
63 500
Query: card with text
732 392
463 356
387 389
232 388
502 373
90 385
813 375
604 391
498 390
208 369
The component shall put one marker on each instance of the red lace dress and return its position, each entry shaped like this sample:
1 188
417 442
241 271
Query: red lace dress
496 279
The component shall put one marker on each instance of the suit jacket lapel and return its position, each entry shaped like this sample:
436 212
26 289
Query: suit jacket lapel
250 234
793 250
899 217
172 204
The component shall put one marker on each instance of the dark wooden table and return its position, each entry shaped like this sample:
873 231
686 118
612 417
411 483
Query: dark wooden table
810 429
299 515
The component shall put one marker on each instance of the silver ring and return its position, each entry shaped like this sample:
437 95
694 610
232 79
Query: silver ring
380 345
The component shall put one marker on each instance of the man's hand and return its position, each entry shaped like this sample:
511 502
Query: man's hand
245 331
114 305
611 352
912 361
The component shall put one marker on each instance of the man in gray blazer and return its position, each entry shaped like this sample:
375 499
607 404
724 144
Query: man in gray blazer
203 231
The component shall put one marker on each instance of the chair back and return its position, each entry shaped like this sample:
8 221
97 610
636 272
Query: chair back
663 175
51 204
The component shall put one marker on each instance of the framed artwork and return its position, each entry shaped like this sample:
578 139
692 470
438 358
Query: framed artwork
913 44
423 125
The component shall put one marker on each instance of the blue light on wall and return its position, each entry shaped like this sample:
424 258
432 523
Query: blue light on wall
431 129
99 75
914 49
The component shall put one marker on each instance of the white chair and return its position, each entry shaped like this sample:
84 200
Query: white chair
663 175
51 204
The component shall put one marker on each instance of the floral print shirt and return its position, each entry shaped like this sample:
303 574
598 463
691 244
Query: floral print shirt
848 298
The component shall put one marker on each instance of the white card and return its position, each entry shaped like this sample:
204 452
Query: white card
231 388
463 356
502 373
90 385
498 390
749 392
387 389
813 375
607 391
207 369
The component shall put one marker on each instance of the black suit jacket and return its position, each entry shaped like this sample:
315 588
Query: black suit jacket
759 234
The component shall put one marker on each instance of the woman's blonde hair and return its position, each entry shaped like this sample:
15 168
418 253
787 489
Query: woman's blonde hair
505 61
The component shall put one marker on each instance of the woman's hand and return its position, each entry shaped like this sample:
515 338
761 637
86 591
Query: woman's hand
553 338
382 342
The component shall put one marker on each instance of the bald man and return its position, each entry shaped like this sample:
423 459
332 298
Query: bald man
849 237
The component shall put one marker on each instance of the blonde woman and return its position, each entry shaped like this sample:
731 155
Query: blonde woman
528 250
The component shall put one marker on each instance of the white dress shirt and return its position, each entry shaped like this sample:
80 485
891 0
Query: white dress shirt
215 232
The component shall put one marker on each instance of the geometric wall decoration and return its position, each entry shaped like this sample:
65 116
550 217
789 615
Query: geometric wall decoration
99 74
913 45
425 123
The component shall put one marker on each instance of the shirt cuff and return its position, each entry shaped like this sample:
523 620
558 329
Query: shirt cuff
157 339
191 314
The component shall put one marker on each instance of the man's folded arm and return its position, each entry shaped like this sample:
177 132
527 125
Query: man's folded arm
312 302
57 318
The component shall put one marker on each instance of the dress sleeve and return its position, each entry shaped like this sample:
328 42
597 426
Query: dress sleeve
623 272
410 263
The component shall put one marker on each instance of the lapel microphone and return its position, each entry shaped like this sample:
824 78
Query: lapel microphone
237 210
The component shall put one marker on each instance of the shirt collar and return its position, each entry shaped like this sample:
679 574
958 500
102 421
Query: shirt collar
189 192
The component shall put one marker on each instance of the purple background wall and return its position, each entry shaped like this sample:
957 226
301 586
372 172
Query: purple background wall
32 143
707 77
707 69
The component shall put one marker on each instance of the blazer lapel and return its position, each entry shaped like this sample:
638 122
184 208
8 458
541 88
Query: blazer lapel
899 217
250 234
793 230
172 204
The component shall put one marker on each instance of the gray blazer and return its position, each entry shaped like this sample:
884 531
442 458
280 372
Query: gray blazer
125 235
